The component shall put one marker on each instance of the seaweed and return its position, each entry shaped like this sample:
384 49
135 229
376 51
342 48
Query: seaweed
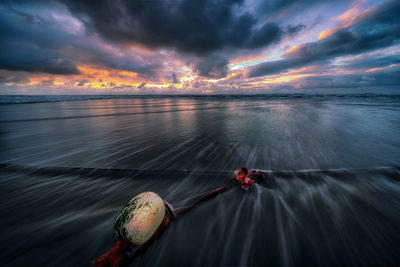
123 217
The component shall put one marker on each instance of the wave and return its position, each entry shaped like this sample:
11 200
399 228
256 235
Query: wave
307 217
27 99
119 114
116 172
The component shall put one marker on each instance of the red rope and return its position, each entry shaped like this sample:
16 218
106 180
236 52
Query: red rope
205 197
114 257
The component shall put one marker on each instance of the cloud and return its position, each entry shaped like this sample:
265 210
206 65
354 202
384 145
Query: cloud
377 79
212 67
36 42
294 29
287 8
377 29
197 46
375 62
82 82
141 85
25 47
174 79
197 27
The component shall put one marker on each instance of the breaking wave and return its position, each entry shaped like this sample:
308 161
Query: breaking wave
25 99
307 217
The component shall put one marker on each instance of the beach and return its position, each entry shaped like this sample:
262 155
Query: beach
330 195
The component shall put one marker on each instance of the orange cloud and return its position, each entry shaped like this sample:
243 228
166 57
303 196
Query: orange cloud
92 70
97 77
347 19
381 68
293 49
282 79
58 83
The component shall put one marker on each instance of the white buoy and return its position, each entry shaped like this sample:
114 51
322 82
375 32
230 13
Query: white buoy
140 218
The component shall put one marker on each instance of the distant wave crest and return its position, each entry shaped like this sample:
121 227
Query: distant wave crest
24 99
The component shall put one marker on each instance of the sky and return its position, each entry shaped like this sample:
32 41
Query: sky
199 46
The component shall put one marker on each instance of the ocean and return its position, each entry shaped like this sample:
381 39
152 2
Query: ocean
330 195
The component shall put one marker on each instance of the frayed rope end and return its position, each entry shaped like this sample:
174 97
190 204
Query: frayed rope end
111 258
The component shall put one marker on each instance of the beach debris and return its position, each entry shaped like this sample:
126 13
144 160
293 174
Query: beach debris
137 225
144 218
246 178
139 219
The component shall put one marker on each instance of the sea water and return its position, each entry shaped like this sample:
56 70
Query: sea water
331 194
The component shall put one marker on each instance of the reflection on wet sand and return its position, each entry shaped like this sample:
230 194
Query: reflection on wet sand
332 197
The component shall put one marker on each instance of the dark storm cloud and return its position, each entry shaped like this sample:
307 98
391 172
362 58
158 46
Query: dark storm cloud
82 82
290 7
294 29
212 67
376 79
374 62
34 43
277 5
174 79
25 47
197 27
28 58
377 29
277 66
141 85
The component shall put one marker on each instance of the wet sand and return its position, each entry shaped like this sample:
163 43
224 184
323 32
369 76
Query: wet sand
331 195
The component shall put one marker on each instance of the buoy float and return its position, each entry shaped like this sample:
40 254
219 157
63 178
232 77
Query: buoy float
140 217
144 218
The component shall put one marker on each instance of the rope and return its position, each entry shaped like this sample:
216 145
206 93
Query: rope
124 252
204 197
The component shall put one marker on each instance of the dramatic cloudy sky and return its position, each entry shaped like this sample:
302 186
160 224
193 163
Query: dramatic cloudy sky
198 46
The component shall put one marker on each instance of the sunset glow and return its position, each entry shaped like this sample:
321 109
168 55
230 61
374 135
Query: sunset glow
53 49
